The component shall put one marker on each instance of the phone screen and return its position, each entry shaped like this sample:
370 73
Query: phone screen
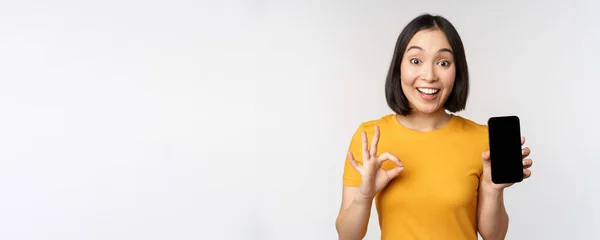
505 149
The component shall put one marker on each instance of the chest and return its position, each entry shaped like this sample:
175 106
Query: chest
436 176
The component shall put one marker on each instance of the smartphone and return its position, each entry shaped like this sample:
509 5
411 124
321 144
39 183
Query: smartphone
506 157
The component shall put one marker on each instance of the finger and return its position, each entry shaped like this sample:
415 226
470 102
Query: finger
527 163
365 147
525 152
354 163
388 156
522 140
526 173
374 141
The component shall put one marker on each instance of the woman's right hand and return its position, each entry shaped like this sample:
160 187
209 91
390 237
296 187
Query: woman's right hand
374 178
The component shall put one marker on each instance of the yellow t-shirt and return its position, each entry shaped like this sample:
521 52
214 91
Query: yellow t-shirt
435 196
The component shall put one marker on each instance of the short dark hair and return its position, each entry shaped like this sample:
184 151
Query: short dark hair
457 100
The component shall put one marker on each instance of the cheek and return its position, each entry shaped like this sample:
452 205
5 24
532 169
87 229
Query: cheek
408 75
447 78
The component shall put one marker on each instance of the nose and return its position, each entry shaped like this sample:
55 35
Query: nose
428 73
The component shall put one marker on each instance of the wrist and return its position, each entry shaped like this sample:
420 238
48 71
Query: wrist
360 198
491 191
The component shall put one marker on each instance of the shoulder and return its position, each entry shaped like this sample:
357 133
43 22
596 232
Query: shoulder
475 132
383 122
469 125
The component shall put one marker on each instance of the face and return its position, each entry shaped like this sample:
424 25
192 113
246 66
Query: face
428 71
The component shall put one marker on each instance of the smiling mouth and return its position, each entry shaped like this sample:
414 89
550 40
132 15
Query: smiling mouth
428 91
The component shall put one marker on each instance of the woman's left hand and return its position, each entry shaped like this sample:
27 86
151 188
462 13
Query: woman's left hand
487 178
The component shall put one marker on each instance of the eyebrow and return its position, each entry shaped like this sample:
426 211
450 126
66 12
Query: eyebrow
441 50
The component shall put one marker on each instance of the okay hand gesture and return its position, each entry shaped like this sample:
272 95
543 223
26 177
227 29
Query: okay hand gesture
374 178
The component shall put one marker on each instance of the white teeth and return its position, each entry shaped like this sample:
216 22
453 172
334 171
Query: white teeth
428 90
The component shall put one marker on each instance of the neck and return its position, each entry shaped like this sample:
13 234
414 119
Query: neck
425 122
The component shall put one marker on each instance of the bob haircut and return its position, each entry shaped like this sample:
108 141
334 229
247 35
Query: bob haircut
457 100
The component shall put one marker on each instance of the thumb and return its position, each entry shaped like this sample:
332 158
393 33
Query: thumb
394 172
486 158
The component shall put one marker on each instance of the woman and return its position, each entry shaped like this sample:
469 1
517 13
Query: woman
427 170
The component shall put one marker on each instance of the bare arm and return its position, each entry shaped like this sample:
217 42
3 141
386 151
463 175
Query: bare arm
492 219
353 218
355 209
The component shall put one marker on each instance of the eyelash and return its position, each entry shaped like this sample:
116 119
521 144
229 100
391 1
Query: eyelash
443 61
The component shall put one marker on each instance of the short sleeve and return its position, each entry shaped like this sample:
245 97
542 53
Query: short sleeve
351 177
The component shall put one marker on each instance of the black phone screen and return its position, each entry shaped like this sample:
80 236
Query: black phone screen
505 149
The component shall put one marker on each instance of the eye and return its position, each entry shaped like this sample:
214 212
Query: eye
415 61
444 63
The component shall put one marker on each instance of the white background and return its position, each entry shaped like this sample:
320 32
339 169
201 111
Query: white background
230 120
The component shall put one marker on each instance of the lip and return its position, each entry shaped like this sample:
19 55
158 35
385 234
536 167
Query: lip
428 97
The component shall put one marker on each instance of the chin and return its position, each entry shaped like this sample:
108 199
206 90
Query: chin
427 109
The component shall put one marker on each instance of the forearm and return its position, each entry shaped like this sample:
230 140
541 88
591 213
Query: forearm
353 220
492 217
